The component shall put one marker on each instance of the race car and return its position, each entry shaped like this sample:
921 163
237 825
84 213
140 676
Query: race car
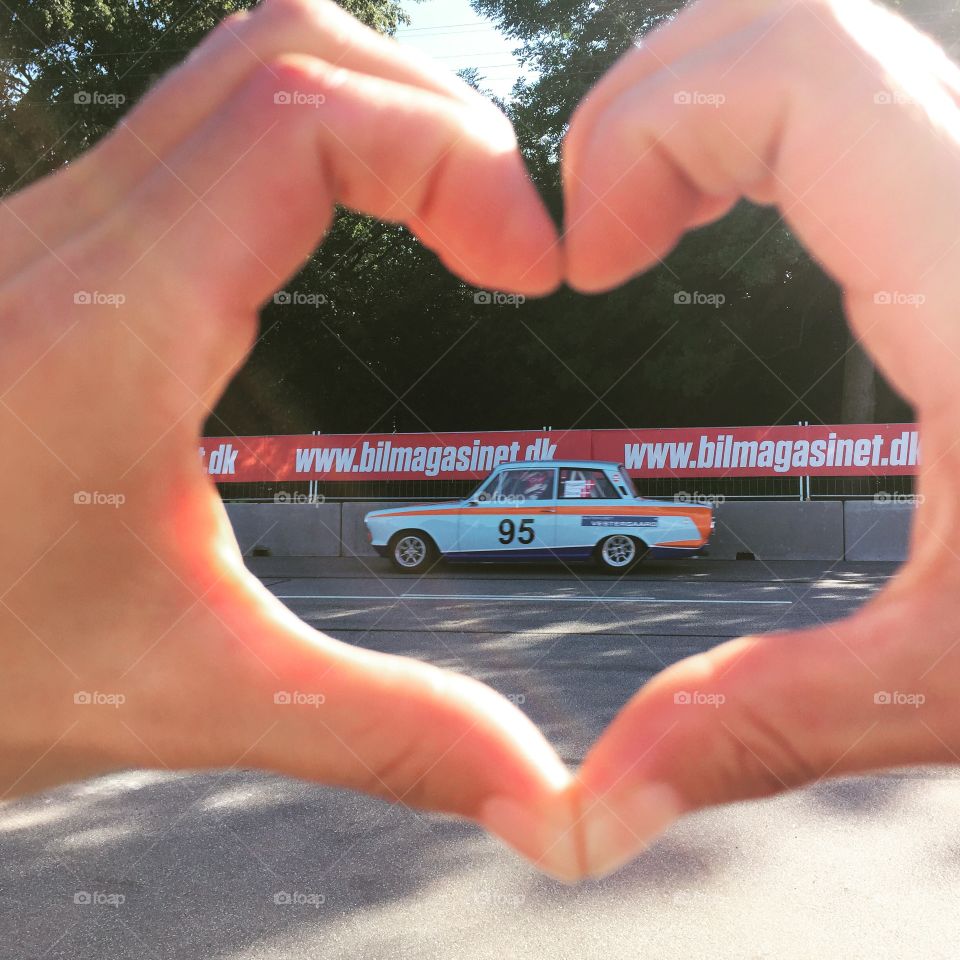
543 510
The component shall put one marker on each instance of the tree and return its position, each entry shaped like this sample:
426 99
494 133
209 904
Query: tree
387 338
73 67
781 330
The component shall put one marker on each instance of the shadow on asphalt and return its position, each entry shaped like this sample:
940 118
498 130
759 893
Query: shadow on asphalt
243 866
148 864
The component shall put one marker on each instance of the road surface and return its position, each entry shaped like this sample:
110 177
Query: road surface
238 865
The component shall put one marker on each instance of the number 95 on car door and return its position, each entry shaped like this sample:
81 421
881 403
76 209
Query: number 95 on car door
513 516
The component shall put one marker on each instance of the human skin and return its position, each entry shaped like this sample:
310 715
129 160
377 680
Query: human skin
187 213
846 118
201 204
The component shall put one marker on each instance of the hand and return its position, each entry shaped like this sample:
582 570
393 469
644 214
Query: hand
129 290
847 119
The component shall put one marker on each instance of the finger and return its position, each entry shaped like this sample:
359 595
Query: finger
695 27
639 173
54 209
265 690
230 220
757 716
805 114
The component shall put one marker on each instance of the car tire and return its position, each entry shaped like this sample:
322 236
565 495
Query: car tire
618 553
412 551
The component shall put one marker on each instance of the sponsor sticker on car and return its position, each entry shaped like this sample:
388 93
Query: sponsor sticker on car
618 521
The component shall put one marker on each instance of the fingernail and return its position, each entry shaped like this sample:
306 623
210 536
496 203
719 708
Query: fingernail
546 838
619 828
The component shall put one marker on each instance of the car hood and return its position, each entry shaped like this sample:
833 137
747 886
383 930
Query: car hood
411 508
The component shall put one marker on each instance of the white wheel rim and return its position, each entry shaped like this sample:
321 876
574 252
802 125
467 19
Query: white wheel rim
410 551
619 551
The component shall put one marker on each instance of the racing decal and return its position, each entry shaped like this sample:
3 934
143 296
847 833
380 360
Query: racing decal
611 521
638 516
510 532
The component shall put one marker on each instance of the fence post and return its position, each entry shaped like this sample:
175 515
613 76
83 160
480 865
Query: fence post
800 424
314 485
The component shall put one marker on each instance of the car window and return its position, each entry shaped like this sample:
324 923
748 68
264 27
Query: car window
582 484
489 490
523 485
624 484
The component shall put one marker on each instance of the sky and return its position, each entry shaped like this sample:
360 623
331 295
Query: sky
453 35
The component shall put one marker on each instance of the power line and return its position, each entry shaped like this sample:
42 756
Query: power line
443 26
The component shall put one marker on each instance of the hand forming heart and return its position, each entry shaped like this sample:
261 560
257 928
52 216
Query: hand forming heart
183 222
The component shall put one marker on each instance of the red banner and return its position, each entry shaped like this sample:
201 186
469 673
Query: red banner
392 456
838 451
850 450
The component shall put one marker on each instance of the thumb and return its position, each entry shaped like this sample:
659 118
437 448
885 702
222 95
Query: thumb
265 690
760 715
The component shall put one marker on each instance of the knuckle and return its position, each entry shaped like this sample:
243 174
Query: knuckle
756 749
314 14
231 23
294 80
810 25
762 742
761 755
397 777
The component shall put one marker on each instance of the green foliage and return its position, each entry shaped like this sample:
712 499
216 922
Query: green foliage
398 342
55 52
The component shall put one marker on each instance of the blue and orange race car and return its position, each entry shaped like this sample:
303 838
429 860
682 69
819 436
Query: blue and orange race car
543 510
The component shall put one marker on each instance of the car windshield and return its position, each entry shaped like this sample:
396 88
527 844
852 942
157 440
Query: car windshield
485 489
518 484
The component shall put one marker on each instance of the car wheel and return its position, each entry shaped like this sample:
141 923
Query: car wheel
412 551
618 553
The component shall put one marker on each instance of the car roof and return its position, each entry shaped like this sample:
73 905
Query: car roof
592 464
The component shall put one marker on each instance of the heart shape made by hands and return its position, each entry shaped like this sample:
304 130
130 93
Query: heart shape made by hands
129 291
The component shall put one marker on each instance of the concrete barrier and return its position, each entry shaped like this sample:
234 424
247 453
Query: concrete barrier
287 529
767 530
778 530
353 532
877 531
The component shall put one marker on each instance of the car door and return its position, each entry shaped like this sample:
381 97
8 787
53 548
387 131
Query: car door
588 504
514 515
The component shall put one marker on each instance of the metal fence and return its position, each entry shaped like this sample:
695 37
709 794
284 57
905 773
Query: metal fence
733 488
